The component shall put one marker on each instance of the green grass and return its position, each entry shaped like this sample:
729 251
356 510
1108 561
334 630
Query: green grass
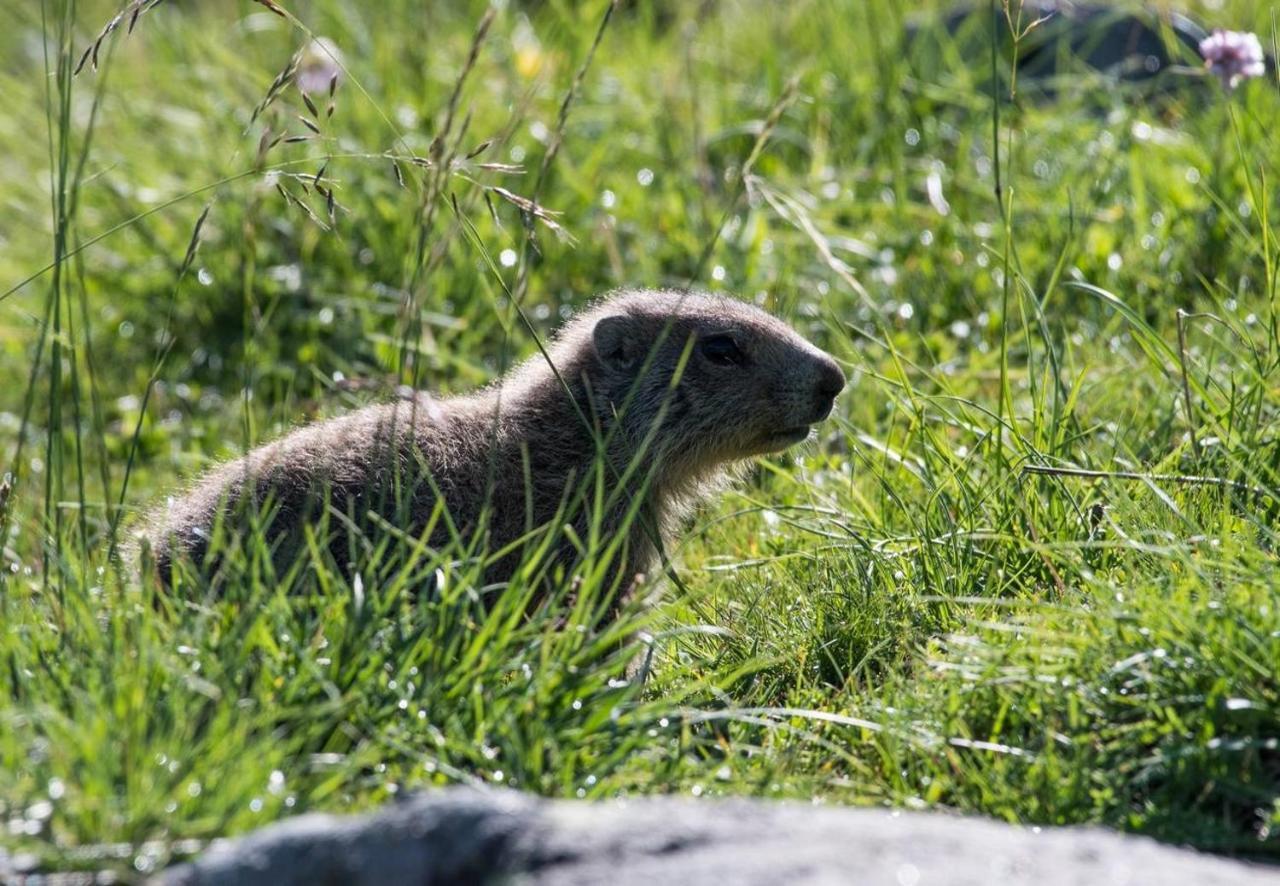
901 614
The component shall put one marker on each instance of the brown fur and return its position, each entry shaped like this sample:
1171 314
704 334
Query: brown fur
664 445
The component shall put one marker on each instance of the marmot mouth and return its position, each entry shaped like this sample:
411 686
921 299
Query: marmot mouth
784 437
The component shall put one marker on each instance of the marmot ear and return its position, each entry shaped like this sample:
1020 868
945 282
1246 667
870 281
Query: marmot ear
616 341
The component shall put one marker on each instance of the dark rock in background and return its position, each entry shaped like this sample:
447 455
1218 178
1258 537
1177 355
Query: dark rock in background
467 836
1127 44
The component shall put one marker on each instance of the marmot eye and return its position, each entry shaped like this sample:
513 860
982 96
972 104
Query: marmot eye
721 350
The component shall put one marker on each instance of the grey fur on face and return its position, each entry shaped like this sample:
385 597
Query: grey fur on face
654 393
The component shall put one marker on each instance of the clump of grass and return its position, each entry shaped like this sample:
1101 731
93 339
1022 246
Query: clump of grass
1027 571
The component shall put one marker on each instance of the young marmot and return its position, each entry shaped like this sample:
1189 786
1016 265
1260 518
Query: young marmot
629 418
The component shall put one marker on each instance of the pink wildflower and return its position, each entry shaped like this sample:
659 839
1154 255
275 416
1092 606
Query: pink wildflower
1234 56
319 66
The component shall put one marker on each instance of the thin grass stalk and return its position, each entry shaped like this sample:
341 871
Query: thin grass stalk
86 328
161 357
784 100
1005 210
553 149
58 116
97 416
441 157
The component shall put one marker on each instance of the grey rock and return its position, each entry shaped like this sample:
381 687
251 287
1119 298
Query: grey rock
467 836
1156 48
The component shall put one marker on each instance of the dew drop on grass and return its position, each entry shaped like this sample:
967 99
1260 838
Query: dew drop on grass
289 276
255 805
205 278
507 258
645 177
608 199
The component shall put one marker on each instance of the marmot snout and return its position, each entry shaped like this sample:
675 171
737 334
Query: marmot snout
653 392
749 385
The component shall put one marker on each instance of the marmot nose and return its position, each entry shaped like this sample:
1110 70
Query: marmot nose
830 382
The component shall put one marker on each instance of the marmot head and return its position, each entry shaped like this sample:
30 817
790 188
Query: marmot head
705 378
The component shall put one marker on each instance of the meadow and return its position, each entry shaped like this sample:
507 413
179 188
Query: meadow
1027 570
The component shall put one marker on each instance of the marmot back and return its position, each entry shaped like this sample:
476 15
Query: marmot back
652 392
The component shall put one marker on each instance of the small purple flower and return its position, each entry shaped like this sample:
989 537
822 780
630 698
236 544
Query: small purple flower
1234 56
319 66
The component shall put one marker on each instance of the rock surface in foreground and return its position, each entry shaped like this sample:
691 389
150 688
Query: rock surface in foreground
467 836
